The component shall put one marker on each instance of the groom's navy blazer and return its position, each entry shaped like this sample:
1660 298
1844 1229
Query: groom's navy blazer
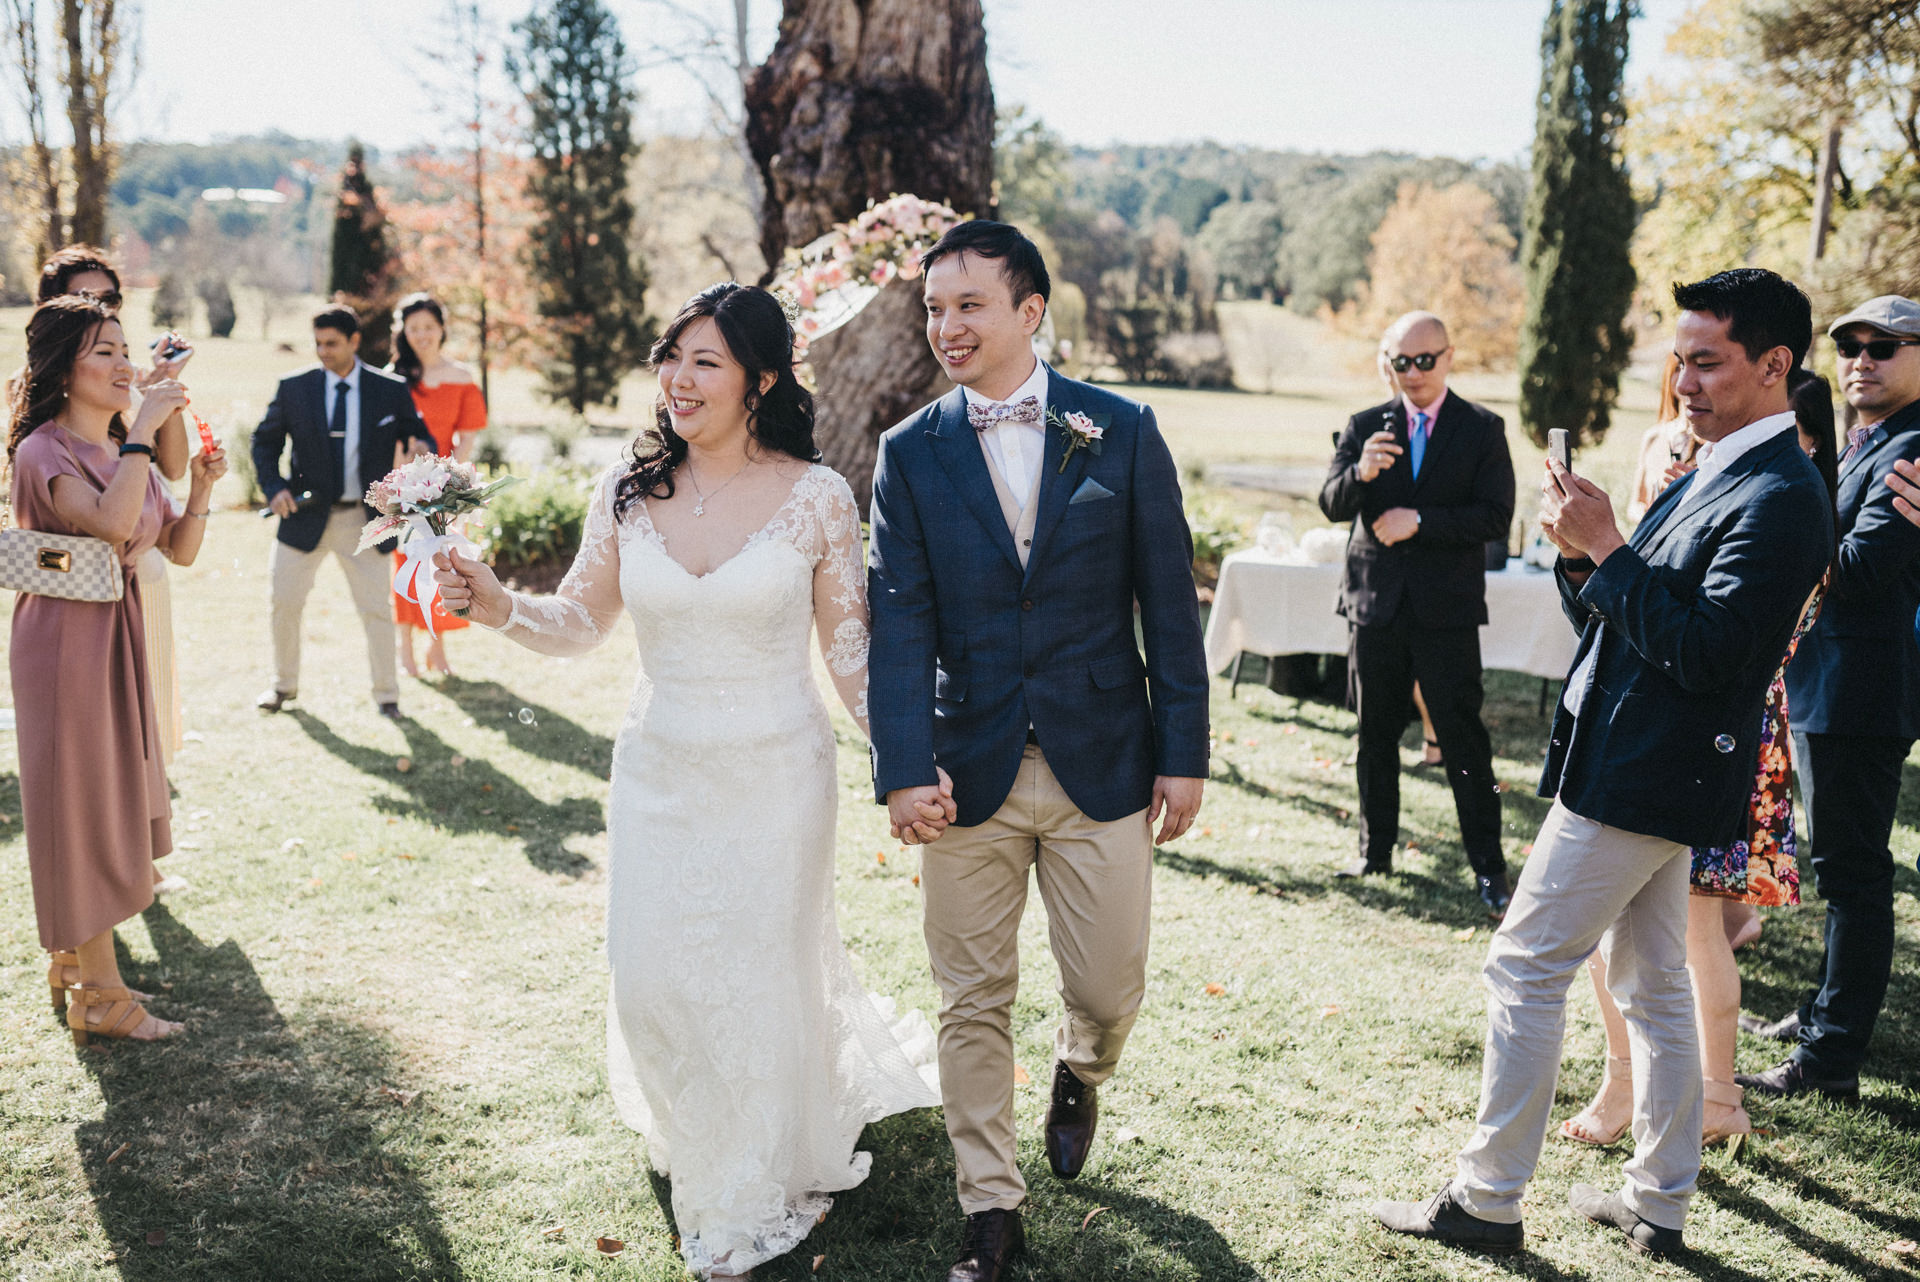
968 648
1858 671
299 414
1692 618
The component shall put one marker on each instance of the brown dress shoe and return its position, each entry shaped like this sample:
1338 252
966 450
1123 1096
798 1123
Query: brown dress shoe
993 1238
1071 1117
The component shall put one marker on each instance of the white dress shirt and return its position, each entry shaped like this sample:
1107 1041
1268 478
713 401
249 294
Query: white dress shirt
1017 449
350 483
1713 458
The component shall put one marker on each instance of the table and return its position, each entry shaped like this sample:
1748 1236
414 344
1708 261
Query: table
1270 607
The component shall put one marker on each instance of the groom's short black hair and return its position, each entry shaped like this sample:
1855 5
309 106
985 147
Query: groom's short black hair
1021 265
335 316
1763 309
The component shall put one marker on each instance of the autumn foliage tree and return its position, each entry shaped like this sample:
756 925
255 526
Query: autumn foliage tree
363 274
1444 251
590 288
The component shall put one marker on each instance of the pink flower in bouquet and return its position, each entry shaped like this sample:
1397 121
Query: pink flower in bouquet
882 274
804 293
832 276
909 268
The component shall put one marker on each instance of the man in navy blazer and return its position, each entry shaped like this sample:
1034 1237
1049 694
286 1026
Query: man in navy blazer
1017 523
1652 752
346 423
1853 700
1427 481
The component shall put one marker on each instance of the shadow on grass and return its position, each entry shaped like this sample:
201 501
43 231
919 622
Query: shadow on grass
559 740
475 796
1764 1218
257 1150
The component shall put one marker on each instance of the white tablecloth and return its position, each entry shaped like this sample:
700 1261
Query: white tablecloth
1269 607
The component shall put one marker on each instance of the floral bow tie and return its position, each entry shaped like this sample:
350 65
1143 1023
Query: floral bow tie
1024 410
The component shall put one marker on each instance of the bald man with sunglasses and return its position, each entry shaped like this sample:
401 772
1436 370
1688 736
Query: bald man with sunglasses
1427 481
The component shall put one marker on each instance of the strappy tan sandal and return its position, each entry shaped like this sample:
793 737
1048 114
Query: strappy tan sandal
60 962
1584 1127
123 1015
1736 1126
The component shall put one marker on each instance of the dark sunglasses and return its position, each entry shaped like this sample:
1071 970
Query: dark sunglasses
106 297
1423 362
1880 349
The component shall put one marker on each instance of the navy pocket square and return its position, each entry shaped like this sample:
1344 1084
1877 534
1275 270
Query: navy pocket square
1089 491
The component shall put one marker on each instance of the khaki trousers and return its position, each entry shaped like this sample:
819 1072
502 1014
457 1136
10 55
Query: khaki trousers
290 575
1097 882
1587 885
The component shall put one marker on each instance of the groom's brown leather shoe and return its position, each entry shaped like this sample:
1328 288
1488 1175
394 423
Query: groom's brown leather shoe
1071 1118
993 1238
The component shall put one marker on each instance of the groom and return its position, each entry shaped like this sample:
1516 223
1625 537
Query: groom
1017 522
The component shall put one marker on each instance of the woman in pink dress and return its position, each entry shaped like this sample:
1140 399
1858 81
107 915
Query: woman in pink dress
93 792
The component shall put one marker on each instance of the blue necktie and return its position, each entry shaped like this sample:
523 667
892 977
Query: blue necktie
1418 439
337 435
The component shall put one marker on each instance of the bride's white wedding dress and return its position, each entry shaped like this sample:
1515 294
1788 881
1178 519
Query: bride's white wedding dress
739 1042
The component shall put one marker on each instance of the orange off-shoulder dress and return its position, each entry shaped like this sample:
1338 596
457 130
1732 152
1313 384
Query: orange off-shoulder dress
449 410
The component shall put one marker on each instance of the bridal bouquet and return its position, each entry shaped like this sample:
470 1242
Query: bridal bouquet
423 497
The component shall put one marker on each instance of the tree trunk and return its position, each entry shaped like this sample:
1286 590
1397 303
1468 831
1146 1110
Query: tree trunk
92 36
1823 193
861 100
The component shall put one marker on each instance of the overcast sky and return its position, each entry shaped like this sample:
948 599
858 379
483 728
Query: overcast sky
1435 77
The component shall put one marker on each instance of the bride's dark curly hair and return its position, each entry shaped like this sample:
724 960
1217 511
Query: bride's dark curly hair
754 327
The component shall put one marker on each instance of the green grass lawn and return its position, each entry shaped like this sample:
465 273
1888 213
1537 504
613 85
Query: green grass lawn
357 933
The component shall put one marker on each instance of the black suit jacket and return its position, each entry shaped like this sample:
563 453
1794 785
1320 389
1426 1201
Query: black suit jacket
1465 499
1692 618
1858 670
299 414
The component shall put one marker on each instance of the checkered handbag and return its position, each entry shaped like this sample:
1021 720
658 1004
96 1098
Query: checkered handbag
71 566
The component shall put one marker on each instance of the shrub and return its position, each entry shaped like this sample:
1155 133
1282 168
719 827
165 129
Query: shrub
1196 359
1215 533
239 447
537 524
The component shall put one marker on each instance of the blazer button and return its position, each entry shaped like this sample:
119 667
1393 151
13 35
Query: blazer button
1027 604
1032 673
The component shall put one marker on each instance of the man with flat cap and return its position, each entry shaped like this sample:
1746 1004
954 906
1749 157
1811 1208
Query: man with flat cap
1853 701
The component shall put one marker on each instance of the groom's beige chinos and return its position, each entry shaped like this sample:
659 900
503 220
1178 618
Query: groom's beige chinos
1096 881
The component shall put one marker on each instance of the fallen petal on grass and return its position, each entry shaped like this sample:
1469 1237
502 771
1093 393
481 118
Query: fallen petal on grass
1020 1076
1216 990
609 1245
119 1153
156 1237
1088 1219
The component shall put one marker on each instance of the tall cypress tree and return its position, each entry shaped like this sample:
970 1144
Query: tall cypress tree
363 274
1579 221
573 69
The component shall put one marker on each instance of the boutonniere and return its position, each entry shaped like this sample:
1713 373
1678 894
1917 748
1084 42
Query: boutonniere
1081 430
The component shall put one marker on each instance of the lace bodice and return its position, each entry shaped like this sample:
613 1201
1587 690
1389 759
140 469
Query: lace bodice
742 624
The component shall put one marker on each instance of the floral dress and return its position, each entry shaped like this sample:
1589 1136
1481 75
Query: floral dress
1761 870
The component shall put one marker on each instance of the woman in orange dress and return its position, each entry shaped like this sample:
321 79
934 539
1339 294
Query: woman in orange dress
455 412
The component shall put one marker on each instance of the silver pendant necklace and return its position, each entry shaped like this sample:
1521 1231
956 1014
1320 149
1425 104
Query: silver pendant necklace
700 508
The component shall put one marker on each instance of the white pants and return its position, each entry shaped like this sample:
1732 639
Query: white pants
369 577
1585 885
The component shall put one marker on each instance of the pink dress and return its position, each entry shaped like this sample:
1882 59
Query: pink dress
93 792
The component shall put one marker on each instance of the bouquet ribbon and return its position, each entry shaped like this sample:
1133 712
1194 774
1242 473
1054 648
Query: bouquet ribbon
415 581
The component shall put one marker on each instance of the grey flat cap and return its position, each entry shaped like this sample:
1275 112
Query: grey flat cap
1889 313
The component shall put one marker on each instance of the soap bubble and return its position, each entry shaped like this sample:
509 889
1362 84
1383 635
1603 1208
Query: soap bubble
1724 743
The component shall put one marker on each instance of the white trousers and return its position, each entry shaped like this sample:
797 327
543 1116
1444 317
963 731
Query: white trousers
1588 885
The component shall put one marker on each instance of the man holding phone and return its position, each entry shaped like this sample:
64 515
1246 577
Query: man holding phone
1427 481
1652 752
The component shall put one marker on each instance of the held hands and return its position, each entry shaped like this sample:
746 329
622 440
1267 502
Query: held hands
1904 481
160 400
466 584
1377 455
1180 799
918 816
1577 515
1396 525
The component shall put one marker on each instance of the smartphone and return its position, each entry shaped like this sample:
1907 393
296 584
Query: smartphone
1557 449
170 346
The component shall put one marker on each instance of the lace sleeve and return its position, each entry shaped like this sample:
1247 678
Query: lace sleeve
840 596
581 614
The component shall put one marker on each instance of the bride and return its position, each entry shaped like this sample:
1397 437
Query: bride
739 1042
